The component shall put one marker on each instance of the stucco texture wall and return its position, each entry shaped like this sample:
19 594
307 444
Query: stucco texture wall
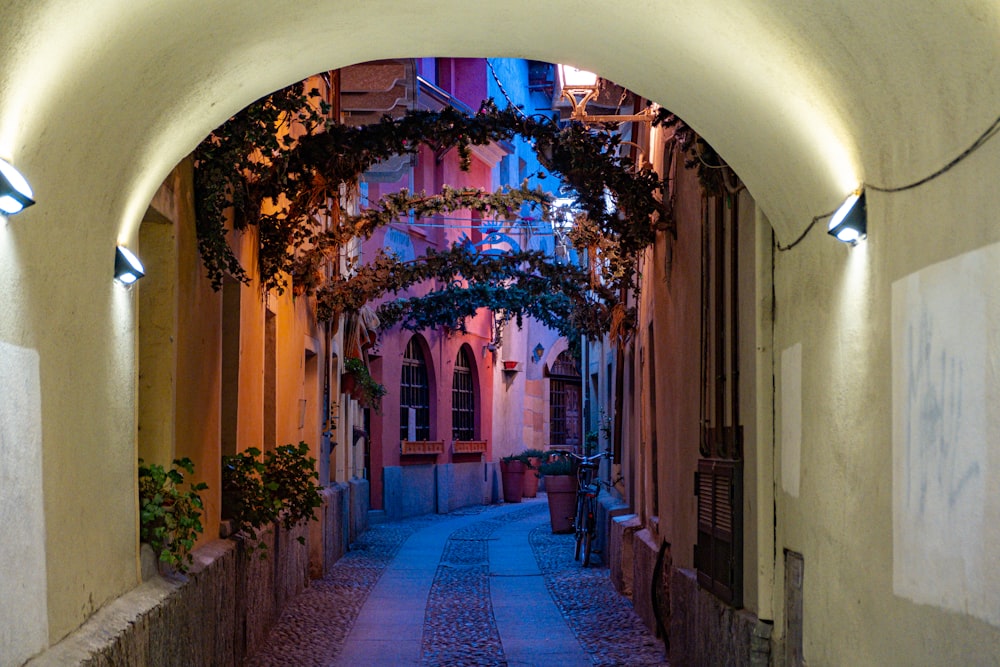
837 302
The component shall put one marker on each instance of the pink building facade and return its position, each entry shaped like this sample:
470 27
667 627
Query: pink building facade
451 411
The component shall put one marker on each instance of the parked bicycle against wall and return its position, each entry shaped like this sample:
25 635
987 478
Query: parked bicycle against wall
587 490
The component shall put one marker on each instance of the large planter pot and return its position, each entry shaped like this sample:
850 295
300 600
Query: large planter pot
531 477
561 490
512 474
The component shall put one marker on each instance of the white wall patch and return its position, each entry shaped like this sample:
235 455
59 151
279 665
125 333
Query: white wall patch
791 419
945 347
24 618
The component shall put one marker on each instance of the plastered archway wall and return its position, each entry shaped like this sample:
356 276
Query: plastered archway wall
100 99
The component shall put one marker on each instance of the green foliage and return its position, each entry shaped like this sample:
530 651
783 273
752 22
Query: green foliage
282 188
528 454
282 488
290 475
516 283
557 463
169 518
246 501
234 175
713 172
371 391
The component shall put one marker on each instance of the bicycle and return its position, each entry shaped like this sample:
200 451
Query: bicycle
587 490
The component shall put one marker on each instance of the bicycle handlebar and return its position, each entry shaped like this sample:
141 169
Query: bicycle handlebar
590 459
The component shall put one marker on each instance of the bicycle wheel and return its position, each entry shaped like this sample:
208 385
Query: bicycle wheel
590 530
588 543
580 524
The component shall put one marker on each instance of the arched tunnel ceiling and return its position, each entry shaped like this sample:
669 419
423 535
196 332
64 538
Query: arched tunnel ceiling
100 98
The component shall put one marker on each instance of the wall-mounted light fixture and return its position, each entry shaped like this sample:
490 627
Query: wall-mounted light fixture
128 268
15 193
580 87
850 223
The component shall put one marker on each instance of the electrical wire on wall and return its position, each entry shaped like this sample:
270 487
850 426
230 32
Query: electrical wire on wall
503 91
990 132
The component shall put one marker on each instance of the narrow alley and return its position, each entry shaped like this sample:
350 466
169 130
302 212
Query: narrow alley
488 585
342 282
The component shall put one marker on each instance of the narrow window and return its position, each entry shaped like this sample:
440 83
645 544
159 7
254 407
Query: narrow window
463 407
415 395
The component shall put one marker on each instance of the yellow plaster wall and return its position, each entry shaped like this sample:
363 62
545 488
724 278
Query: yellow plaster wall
836 302
199 361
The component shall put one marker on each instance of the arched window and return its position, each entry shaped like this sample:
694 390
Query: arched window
564 402
414 395
463 406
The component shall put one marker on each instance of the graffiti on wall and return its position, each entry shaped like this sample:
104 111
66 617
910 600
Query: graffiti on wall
945 381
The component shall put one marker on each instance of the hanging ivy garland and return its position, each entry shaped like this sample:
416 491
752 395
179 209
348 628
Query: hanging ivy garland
278 169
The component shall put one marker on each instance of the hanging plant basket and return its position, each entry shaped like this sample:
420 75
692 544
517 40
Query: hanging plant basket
348 383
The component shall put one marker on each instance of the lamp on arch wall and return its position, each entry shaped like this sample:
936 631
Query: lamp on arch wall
128 268
850 223
15 193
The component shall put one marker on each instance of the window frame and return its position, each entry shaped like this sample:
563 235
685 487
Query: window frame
463 397
415 391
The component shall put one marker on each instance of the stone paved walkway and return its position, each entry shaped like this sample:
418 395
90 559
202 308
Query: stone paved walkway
481 586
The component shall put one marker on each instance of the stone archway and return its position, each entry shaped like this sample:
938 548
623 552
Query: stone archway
101 100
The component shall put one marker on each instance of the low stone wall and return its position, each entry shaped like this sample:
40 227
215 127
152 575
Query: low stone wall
414 490
608 508
409 491
644 550
621 538
460 485
217 614
221 611
706 631
360 503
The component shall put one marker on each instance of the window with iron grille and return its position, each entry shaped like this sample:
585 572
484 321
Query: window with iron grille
414 394
564 401
463 407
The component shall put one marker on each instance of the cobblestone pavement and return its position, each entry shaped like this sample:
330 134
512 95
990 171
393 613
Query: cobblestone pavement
459 628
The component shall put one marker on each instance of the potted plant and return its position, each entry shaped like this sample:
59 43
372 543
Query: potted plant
532 460
560 488
512 474
169 518
358 382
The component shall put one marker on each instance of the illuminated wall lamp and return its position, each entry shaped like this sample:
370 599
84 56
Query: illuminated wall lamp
850 223
128 268
15 193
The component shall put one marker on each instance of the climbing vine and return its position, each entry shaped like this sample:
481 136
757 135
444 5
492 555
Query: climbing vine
279 170
716 176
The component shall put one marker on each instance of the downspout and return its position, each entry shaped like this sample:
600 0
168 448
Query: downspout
737 440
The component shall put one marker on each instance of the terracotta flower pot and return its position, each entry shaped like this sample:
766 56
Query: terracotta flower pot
348 383
512 473
531 477
561 490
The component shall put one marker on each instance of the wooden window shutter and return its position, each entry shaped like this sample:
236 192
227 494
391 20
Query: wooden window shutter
718 554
